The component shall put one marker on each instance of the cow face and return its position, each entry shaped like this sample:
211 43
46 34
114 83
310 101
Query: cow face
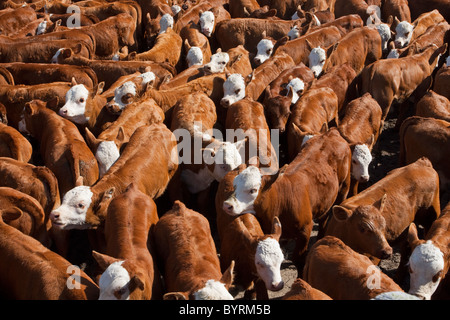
264 51
194 56
217 63
207 23
113 283
404 31
297 86
224 158
294 33
361 159
246 189
278 110
426 265
367 226
317 59
385 33
75 107
233 89
42 27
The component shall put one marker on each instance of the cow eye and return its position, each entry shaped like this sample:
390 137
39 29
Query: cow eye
253 191
81 206
222 62
406 34
322 61
81 100
269 51
237 91
437 276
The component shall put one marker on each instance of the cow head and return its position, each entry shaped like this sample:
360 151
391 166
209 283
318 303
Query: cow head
384 31
194 56
246 189
268 258
119 280
81 208
296 86
403 34
367 227
218 62
361 159
233 89
294 33
65 53
78 101
212 289
126 27
278 110
317 58
426 265
165 22
206 22
264 50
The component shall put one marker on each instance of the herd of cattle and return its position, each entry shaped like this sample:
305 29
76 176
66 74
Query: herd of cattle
97 200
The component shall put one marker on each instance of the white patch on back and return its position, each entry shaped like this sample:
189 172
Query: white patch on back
317 58
72 212
213 290
233 89
246 189
194 57
113 279
107 154
268 259
361 159
264 50
75 107
207 23
425 262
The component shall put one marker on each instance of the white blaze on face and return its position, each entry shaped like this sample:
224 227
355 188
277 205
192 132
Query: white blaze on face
246 189
75 106
165 22
113 283
385 33
294 33
264 51
268 259
217 63
403 34
56 56
426 266
317 59
107 154
213 290
207 23
233 89
226 158
194 57
297 86
71 214
361 159
41 28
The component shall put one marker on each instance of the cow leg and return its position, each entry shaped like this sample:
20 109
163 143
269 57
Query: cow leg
261 291
301 244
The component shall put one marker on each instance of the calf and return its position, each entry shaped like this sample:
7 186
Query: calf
382 213
433 105
318 178
14 145
360 127
258 256
301 290
188 257
33 272
335 269
62 147
441 80
33 221
396 79
129 267
430 258
149 160
106 147
426 137
13 20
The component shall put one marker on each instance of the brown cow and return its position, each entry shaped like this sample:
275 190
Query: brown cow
442 79
149 160
395 8
129 267
187 253
430 258
13 20
317 178
13 144
301 290
33 272
62 147
335 269
382 213
426 137
433 105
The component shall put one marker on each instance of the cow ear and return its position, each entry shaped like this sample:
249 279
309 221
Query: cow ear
187 45
100 87
276 228
340 213
53 103
79 182
108 194
77 48
175 296
390 20
380 203
120 135
103 260
73 82
413 238
136 282
11 213
309 45
241 143
228 276
371 141
91 140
